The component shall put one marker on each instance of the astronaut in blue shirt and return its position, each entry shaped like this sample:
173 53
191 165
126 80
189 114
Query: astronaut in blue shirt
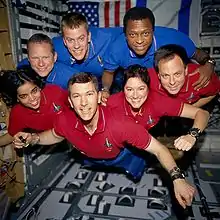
82 47
42 58
140 41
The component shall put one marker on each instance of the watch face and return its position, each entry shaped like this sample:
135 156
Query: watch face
194 133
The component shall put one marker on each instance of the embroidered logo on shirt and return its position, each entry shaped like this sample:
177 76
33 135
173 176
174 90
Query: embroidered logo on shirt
150 120
108 144
56 107
191 97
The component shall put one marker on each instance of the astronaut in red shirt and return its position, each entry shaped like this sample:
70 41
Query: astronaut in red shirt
34 105
146 107
100 134
174 76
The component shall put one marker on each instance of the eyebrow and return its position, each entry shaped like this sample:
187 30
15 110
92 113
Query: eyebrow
27 93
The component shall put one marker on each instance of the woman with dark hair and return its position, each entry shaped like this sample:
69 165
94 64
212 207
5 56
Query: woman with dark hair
146 107
34 105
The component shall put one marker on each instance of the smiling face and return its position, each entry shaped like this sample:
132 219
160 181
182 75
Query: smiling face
172 74
136 92
77 41
41 58
139 34
84 98
29 95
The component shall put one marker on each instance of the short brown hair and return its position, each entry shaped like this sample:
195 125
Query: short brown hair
73 20
83 78
40 38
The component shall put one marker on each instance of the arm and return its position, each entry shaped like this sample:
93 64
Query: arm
183 191
107 79
206 69
201 117
44 138
203 101
5 139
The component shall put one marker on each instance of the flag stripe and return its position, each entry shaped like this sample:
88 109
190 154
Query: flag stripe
128 4
117 13
106 15
184 14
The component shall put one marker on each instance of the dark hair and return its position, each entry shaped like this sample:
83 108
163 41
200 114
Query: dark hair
11 80
83 78
137 71
73 20
168 52
40 38
138 13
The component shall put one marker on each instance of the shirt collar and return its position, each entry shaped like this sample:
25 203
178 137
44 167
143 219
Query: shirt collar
100 126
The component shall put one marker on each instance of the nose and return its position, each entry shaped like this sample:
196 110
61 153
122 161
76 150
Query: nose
76 44
139 39
84 101
41 62
135 94
31 97
172 81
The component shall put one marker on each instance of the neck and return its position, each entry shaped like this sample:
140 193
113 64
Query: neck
91 125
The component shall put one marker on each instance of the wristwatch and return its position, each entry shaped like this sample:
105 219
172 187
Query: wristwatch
211 61
176 173
195 132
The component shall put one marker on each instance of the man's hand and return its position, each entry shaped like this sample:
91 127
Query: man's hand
184 192
185 142
104 97
206 72
22 139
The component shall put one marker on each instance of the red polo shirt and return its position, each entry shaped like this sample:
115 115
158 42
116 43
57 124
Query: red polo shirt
187 93
112 132
152 110
53 101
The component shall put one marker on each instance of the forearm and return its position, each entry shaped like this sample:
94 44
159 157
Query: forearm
46 138
201 119
107 79
200 56
203 101
162 153
5 139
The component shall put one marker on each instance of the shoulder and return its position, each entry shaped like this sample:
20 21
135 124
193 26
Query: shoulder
115 99
57 40
18 110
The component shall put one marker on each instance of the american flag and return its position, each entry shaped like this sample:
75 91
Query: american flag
104 13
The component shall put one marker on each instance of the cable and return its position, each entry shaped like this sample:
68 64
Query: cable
201 195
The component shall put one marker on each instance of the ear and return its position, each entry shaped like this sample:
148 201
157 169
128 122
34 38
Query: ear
55 56
159 76
99 97
89 37
70 102
64 41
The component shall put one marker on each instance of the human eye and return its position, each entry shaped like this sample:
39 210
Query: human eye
90 93
129 89
132 35
75 96
69 40
82 38
24 96
34 90
147 33
177 74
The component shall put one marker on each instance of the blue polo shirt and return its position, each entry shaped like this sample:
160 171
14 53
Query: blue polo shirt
100 40
59 75
119 54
